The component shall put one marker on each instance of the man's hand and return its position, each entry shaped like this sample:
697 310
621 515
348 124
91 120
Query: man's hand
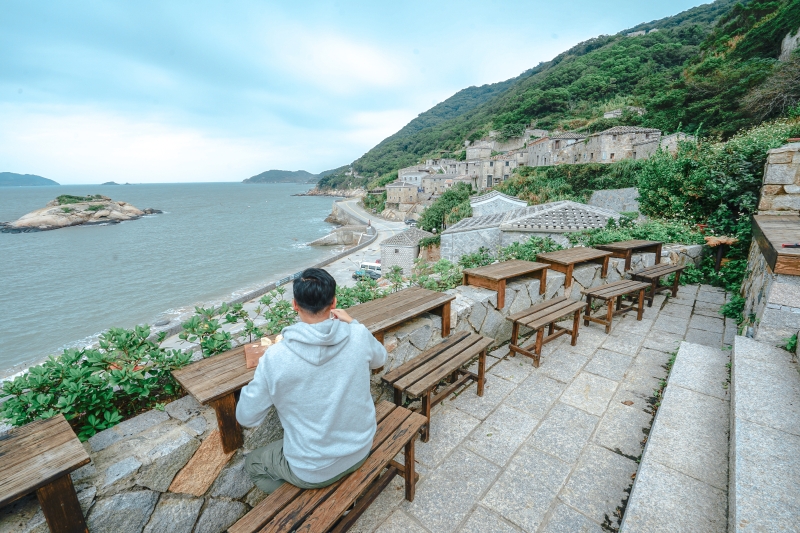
341 314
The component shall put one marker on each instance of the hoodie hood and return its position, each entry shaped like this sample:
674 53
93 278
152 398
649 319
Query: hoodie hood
316 343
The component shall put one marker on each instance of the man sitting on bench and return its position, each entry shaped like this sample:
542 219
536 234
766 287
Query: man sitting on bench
318 379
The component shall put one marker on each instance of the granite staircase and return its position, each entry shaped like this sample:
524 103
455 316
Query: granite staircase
724 450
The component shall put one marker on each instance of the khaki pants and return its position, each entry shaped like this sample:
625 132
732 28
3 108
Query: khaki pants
268 469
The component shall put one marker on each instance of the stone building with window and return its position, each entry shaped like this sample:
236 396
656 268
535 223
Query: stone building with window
546 151
401 250
402 192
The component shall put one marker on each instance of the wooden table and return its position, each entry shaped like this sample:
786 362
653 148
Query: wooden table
653 275
613 294
625 249
396 308
542 315
494 276
39 457
565 260
419 377
771 232
213 382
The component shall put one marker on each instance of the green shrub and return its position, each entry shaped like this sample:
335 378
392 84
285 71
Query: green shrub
364 290
80 384
528 250
449 208
477 259
96 207
439 276
436 240
627 229
66 199
375 201
734 308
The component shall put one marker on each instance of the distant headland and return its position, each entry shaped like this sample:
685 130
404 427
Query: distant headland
289 176
68 210
11 179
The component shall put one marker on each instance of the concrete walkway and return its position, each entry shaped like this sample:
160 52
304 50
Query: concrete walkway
553 449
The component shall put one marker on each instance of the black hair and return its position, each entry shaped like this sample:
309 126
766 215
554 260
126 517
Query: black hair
314 290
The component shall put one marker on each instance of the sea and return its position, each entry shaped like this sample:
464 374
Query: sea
213 242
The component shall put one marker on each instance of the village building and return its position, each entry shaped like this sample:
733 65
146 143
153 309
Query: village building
494 202
401 250
402 192
497 230
609 146
479 150
436 184
645 149
545 151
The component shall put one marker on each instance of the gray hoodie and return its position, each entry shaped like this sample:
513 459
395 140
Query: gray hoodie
318 379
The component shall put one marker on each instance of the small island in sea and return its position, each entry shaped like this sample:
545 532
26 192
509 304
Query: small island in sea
11 179
68 210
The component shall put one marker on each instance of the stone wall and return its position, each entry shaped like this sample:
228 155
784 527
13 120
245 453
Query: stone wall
780 194
164 471
772 301
619 200
345 235
396 255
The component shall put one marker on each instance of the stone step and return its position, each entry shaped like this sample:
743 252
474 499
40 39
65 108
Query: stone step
764 490
682 481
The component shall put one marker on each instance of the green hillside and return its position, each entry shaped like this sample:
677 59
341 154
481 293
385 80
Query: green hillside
282 176
698 71
10 179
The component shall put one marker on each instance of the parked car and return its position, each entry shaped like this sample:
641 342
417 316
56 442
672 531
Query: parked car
410 222
370 270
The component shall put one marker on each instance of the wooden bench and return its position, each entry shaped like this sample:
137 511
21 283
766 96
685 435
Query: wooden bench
542 315
564 261
214 381
494 276
316 510
396 308
39 457
626 249
613 293
653 275
419 377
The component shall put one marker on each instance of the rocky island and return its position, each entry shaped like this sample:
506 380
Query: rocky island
68 210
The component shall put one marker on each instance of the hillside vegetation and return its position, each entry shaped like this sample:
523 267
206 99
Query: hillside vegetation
712 69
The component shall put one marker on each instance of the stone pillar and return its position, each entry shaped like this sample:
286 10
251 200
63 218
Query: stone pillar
780 194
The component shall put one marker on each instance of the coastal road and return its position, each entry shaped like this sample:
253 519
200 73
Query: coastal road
342 270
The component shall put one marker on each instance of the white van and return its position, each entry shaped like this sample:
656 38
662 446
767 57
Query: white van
375 267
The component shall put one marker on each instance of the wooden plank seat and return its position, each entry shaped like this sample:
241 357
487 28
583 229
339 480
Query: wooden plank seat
494 277
542 315
626 249
39 457
316 510
396 308
419 377
612 294
564 261
214 381
653 275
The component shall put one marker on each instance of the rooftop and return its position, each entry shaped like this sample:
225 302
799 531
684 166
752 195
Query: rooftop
410 237
495 194
617 130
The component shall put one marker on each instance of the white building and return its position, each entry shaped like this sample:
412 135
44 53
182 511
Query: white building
401 250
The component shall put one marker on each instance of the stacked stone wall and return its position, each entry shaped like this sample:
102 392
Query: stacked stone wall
780 194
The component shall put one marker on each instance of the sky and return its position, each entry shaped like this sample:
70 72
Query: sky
161 91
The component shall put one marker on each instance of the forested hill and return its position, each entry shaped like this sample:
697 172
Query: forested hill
701 70
10 179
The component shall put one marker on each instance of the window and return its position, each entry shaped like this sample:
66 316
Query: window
505 177
506 163
491 163
603 156
612 156
591 156
613 137
396 250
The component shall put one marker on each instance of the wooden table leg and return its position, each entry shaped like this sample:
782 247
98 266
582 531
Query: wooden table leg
628 256
378 336
426 412
445 320
408 470
641 305
609 314
658 253
514 335
229 428
576 322
542 280
568 279
60 506
604 269
481 372
501 294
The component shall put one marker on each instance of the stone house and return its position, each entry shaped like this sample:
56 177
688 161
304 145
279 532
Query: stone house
402 192
645 149
497 230
436 184
494 202
401 250
545 151
479 150
609 146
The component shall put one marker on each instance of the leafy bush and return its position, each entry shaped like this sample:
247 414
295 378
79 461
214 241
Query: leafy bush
449 208
477 259
205 329
96 388
364 290
96 207
627 229
66 199
791 343
439 276
375 201
734 308
528 250
436 240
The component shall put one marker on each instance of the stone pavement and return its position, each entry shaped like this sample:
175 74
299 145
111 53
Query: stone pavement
555 448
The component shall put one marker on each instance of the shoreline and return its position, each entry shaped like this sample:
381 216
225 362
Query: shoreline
175 324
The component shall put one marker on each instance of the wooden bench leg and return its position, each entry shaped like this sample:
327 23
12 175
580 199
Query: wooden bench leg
481 372
576 322
426 412
537 350
398 397
609 314
588 309
514 339
60 506
408 470
653 289
675 283
229 428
